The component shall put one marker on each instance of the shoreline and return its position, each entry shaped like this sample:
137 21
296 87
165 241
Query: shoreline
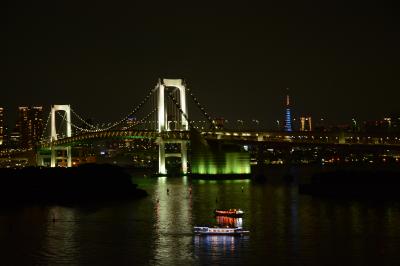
87 183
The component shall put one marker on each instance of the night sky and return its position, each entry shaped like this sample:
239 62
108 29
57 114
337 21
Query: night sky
339 60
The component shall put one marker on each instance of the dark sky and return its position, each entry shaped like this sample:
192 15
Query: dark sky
339 60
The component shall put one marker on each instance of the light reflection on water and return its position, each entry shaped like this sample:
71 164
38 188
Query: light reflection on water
173 224
60 236
286 228
221 248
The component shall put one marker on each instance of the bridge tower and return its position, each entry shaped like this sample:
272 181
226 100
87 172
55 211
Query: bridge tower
169 120
54 135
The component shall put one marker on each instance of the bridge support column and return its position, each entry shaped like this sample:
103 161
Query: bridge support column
164 88
42 159
39 159
53 157
163 154
162 107
67 110
184 157
67 156
54 136
161 158
342 138
162 114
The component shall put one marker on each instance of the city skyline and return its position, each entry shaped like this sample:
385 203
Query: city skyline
9 118
330 56
200 133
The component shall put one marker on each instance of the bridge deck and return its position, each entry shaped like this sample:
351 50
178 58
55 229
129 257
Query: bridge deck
300 138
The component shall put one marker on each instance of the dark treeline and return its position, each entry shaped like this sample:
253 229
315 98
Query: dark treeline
66 185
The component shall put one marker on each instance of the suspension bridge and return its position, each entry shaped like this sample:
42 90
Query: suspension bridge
168 122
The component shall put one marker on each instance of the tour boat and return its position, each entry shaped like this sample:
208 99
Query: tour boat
230 213
199 230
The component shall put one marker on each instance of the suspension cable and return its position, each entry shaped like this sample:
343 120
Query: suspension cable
77 127
45 127
143 120
179 108
81 119
200 106
115 124
62 122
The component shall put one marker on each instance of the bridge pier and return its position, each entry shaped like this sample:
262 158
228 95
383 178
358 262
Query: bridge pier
162 170
39 159
184 157
67 157
342 138
165 116
163 154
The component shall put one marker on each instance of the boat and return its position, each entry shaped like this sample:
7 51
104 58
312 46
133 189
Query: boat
204 230
229 213
224 221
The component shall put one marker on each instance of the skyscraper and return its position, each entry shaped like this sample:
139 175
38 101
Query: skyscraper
305 123
2 130
29 125
288 113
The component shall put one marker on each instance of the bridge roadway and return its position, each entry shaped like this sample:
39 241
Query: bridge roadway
288 138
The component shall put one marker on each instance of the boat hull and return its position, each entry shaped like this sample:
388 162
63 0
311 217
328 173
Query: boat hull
222 234
200 230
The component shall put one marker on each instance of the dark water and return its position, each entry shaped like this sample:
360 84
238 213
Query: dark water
286 229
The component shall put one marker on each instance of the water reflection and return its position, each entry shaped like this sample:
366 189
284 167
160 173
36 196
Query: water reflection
286 229
214 248
173 224
61 244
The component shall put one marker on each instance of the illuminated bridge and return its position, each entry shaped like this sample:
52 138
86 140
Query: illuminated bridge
171 124
295 138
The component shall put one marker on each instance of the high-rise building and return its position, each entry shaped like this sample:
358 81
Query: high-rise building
305 123
219 122
14 139
2 129
288 113
393 122
21 127
131 121
29 125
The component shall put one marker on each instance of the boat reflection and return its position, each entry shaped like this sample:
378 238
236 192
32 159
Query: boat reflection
214 241
223 221
219 245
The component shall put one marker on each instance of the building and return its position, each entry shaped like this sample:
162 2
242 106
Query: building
219 122
305 123
378 126
288 113
29 125
2 126
14 139
393 122
131 121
